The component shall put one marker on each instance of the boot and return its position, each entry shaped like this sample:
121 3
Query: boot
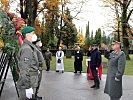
93 86
97 87
38 98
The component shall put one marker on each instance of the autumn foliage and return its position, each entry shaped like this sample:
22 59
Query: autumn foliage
38 28
81 39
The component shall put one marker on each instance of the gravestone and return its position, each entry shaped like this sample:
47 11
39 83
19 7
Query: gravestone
68 53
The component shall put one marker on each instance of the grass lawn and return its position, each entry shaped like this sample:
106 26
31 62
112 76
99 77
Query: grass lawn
69 63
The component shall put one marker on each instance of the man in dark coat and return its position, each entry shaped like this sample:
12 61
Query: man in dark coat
95 62
115 71
78 60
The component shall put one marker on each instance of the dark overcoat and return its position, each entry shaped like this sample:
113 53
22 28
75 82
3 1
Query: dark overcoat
115 70
78 61
95 58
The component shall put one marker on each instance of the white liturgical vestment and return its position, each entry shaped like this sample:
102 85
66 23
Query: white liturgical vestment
59 60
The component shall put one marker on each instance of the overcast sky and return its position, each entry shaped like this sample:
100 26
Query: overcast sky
92 11
98 16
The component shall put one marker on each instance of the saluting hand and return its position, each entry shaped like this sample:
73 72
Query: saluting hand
103 45
90 48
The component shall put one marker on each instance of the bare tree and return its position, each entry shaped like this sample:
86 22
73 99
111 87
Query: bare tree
124 21
123 10
29 10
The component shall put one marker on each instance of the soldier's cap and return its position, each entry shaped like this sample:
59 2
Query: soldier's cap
27 29
115 42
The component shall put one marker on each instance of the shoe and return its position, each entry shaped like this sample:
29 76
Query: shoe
38 98
93 86
57 70
97 87
62 71
80 72
75 72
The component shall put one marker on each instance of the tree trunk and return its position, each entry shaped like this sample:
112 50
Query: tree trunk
119 31
126 47
31 8
28 10
60 34
124 32
23 9
59 40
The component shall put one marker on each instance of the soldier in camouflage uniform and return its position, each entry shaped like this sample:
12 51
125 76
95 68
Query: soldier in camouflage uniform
28 64
48 58
38 44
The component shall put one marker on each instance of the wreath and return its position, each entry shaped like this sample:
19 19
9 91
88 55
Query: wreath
8 40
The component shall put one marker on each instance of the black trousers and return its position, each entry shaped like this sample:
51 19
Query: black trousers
48 64
78 66
95 75
114 98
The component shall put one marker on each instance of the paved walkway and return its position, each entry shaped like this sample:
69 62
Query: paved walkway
69 86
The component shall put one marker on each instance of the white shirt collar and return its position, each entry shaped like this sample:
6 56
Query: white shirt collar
77 51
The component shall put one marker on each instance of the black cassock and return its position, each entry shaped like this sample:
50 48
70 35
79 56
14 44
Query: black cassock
78 61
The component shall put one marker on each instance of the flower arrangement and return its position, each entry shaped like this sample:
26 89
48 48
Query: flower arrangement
9 41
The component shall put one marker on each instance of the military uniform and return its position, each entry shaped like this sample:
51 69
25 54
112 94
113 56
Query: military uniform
41 65
48 57
115 72
28 65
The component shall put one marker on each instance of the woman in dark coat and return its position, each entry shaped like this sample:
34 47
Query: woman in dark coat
115 71
78 60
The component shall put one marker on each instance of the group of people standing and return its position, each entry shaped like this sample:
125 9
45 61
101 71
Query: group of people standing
31 62
95 62
116 66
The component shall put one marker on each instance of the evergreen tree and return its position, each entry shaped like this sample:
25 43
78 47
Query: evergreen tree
69 31
98 36
91 38
51 25
103 37
92 35
87 31
87 37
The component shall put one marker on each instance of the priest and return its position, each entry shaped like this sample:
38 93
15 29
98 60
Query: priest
78 58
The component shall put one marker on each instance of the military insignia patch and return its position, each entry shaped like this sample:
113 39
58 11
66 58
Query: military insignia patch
26 60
